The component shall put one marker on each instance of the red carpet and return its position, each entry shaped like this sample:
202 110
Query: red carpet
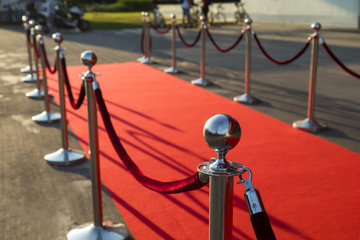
310 187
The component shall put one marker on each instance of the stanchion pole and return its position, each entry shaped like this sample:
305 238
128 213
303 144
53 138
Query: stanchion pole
63 156
46 116
202 81
309 123
26 24
146 39
30 77
247 98
222 133
37 92
173 68
96 231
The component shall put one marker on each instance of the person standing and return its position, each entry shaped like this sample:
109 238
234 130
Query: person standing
50 13
205 8
186 5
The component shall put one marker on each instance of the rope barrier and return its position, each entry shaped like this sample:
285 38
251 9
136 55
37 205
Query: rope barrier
159 31
183 40
336 60
301 52
68 88
52 71
226 49
188 184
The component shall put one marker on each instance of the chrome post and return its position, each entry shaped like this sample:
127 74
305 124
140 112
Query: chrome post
30 77
37 92
96 231
146 40
26 24
222 133
46 116
247 98
202 81
173 68
64 156
309 123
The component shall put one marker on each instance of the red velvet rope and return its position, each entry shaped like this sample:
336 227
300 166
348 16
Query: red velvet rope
184 42
226 49
68 87
280 62
52 71
337 61
188 184
161 31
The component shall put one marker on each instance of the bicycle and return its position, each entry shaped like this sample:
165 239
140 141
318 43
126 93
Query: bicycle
240 14
195 13
159 20
218 17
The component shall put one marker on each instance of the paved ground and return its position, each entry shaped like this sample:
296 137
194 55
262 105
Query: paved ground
41 201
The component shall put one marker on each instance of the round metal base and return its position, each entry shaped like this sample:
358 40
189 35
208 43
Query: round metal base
90 232
309 125
36 93
29 78
172 70
200 82
65 157
246 98
47 117
145 60
27 69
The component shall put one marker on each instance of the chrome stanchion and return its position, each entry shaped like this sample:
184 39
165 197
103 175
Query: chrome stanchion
309 123
173 68
202 81
146 40
64 156
247 97
26 24
37 92
97 230
222 133
30 77
46 116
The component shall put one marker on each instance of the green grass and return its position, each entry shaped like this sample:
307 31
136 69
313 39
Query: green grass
111 20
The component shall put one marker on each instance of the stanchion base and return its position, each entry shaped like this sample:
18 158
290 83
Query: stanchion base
27 69
172 70
36 93
29 78
247 99
47 117
65 157
309 125
201 82
145 60
90 232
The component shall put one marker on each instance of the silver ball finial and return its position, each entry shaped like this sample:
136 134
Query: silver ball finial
173 16
25 19
88 58
316 26
39 29
32 22
222 132
248 21
58 38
